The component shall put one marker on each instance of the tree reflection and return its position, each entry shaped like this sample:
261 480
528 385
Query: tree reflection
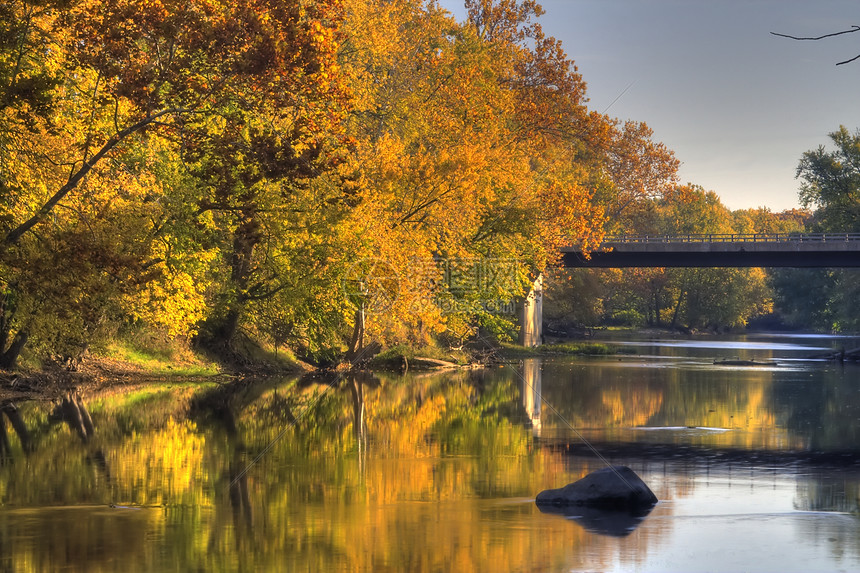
421 472
72 410
11 412
833 490
218 409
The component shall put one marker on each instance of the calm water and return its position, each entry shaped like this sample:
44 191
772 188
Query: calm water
757 468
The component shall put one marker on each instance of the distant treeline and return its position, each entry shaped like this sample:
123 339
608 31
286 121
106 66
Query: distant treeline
722 299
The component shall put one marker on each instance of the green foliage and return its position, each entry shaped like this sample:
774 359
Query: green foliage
825 298
831 182
581 348
628 317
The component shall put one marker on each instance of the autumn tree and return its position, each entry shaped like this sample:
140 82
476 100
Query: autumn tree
639 171
473 145
84 82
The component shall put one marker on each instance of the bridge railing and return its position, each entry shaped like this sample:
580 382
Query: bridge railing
734 238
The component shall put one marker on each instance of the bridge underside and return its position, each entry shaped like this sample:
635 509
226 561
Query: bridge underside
735 258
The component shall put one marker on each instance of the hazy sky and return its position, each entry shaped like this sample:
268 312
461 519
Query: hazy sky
736 104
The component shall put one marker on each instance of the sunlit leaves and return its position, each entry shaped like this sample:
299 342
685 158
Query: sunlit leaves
221 167
469 142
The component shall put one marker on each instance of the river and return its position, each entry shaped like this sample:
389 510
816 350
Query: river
757 468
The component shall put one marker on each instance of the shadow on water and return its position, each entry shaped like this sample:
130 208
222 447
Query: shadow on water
70 410
73 411
614 523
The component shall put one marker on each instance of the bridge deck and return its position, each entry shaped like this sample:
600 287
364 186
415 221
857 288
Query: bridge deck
722 250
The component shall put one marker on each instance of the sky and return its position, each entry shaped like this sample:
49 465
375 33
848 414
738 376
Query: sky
737 105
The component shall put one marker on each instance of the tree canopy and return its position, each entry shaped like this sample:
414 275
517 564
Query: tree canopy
316 174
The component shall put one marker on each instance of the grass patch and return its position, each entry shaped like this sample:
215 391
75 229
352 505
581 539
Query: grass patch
265 357
566 348
581 348
167 359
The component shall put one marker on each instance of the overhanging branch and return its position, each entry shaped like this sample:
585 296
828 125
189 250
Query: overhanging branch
77 176
853 29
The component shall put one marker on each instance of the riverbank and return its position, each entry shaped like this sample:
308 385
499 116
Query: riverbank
428 358
139 358
123 365
93 375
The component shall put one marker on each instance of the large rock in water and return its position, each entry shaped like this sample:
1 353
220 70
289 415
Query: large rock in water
615 487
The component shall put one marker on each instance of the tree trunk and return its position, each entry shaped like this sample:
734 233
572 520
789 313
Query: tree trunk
357 342
9 359
228 326
677 308
222 330
5 320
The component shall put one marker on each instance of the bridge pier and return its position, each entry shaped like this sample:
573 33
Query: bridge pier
531 316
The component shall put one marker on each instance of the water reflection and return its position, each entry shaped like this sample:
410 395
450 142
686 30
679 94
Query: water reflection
430 472
11 412
530 371
73 411
615 523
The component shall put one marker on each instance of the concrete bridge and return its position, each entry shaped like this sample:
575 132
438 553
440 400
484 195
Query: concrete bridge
721 250
706 250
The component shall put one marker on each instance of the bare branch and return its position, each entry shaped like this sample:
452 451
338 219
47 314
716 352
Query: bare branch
853 29
857 57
